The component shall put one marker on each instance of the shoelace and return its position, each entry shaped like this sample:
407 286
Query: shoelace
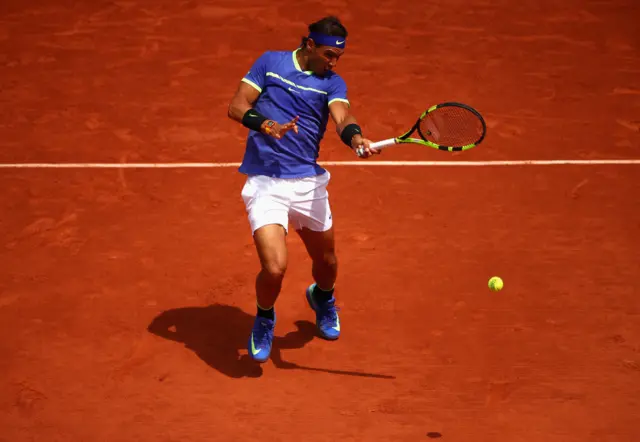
328 313
262 332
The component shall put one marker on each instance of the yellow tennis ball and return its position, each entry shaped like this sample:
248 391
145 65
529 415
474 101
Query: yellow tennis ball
496 284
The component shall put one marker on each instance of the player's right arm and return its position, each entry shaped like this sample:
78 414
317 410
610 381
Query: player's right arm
241 106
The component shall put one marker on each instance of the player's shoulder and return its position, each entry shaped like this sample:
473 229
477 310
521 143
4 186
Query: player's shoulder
275 55
273 59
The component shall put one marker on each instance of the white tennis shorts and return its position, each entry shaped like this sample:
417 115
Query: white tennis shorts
303 201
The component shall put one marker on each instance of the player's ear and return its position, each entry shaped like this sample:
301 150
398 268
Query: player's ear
311 45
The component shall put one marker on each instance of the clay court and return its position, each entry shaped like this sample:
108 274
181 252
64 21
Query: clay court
127 292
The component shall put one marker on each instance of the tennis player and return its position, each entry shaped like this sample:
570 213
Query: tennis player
285 101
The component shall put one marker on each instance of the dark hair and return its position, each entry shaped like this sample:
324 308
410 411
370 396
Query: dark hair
329 25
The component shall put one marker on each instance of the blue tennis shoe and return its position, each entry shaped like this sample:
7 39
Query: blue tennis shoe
261 339
327 319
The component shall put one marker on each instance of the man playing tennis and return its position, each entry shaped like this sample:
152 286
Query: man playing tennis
285 100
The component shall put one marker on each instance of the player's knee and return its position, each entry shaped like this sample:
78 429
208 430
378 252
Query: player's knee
275 270
330 261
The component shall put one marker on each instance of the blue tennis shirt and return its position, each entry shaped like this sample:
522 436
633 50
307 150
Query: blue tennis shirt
286 91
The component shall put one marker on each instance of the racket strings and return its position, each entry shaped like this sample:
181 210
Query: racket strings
451 126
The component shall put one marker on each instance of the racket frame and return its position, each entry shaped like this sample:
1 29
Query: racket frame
406 137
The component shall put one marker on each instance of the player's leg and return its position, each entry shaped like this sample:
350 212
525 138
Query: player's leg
324 269
312 217
268 216
320 246
271 246
272 251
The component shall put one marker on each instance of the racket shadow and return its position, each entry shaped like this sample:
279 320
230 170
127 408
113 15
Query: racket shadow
306 331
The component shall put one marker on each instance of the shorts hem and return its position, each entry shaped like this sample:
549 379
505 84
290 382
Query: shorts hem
256 226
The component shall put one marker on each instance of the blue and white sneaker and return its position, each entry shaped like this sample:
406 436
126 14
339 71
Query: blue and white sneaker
261 338
327 319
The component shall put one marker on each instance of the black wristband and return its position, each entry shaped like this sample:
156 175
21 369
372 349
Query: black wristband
252 119
348 132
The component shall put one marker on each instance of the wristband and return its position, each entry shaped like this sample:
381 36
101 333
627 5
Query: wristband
252 119
348 133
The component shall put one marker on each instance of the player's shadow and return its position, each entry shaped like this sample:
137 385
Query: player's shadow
219 333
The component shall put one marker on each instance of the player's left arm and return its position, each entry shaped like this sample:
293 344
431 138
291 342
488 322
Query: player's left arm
348 128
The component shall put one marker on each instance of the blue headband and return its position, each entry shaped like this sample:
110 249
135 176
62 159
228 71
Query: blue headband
328 40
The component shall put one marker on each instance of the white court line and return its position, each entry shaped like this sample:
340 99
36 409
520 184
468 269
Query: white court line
361 163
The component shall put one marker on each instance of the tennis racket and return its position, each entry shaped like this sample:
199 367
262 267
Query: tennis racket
447 126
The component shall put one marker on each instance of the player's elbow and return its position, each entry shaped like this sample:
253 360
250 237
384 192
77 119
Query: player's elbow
237 108
232 110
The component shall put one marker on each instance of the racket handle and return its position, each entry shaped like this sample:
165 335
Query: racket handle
378 145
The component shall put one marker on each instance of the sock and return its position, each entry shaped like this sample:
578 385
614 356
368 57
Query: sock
322 295
269 313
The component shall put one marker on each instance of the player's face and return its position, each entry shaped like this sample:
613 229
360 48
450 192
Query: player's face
324 59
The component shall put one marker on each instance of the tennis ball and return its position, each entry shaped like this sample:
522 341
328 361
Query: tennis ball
495 284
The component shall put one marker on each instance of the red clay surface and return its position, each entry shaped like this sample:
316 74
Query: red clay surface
126 296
